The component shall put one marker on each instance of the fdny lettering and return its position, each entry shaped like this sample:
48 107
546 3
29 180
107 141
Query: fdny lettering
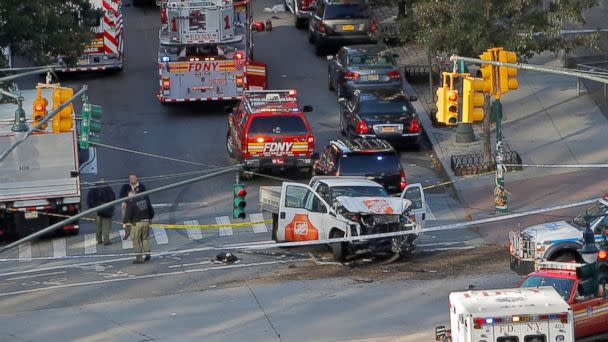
201 37
271 147
204 66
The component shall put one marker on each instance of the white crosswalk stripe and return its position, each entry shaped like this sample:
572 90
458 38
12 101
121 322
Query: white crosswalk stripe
126 244
25 252
260 227
160 235
90 244
224 231
193 233
59 248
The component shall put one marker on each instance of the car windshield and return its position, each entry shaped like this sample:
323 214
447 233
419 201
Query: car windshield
345 11
590 214
369 164
277 124
561 285
358 191
378 60
386 105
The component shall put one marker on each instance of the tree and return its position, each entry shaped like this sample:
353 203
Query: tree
41 30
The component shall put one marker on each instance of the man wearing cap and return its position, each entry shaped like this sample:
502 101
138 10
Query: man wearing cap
102 193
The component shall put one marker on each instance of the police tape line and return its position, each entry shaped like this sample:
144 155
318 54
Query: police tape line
208 226
566 166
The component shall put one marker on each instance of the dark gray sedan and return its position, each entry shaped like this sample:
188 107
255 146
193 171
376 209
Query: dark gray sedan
363 66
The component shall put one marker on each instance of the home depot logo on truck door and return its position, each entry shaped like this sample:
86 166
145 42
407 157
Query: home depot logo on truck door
277 147
204 66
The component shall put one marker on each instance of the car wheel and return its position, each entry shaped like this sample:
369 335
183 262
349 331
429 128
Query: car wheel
330 86
300 23
338 249
230 146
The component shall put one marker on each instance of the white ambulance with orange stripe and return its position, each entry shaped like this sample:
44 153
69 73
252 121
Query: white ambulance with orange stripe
106 51
268 130
206 51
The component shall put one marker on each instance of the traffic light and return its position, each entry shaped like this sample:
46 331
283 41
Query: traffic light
487 72
472 99
447 100
39 111
90 126
602 267
507 76
62 122
239 204
587 285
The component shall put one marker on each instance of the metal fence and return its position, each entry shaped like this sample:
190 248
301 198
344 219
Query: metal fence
597 90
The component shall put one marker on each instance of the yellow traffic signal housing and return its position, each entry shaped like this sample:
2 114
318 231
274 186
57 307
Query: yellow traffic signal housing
507 76
487 72
441 98
447 100
39 111
63 122
452 104
472 99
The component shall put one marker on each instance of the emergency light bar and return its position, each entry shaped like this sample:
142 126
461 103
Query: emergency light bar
555 265
478 322
271 97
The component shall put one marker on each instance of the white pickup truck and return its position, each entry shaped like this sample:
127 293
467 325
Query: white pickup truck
335 207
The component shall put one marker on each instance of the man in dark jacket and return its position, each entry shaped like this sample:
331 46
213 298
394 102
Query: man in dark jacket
102 194
139 213
133 185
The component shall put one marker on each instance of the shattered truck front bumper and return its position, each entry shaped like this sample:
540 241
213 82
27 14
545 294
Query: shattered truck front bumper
402 244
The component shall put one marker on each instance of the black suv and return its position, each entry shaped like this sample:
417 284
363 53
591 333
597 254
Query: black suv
373 158
385 113
341 22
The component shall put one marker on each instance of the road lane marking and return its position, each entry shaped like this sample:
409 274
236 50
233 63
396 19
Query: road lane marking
36 275
126 244
442 244
224 231
148 276
25 252
90 244
260 227
447 249
160 235
59 248
191 264
194 233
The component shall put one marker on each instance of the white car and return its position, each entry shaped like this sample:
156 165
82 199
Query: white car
556 241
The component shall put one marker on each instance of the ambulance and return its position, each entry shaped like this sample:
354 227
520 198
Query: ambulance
538 314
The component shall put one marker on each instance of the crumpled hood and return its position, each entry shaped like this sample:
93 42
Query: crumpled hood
374 205
552 231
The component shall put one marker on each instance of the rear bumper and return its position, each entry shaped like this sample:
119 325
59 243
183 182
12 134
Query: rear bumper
325 39
412 138
302 14
92 67
195 99
521 266
351 86
271 162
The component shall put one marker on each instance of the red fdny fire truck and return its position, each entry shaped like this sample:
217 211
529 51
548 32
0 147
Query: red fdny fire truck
206 51
268 130
106 51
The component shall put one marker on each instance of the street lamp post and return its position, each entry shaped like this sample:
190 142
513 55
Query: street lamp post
589 249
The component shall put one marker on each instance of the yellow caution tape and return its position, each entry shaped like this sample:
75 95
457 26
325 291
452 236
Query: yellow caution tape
207 226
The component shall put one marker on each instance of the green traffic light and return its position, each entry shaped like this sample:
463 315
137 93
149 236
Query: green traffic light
238 203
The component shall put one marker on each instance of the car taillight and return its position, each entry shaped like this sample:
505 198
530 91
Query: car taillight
374 27
351 75
362 127
166 82
322 27
402 181
394 75
239 81
311 143
414 125
304 4
244 142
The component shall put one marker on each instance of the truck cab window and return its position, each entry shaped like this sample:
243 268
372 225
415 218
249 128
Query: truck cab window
295 197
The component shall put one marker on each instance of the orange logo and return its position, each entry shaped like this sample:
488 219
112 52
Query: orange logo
301 229
378 206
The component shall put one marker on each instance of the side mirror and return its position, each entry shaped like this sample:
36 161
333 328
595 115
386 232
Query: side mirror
413 98
228 109
342 101
307 109
315 156
330 57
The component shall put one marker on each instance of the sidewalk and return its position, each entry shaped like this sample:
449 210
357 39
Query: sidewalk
546 122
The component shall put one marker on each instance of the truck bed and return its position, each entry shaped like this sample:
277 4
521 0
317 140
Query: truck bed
43 166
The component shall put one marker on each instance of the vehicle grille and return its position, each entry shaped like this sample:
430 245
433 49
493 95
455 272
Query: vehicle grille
378 224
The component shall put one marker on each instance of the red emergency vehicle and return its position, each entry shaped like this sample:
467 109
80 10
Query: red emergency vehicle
590 313
268 130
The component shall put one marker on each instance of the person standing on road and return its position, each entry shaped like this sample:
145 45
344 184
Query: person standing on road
102 194
133 185
139 213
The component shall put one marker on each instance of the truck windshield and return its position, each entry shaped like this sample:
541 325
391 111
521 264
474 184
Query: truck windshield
563 286
277 124
357 191
590 214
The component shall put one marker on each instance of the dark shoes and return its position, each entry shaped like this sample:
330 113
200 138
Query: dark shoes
138 261
147 257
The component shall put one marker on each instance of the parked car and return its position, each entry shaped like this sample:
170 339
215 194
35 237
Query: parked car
375 159
380 113
362 67
300 10
341 22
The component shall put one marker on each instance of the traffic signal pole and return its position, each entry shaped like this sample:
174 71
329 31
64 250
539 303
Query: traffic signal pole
43 122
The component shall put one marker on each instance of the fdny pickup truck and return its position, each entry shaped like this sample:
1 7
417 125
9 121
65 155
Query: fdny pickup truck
268 130
590 312
556 241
